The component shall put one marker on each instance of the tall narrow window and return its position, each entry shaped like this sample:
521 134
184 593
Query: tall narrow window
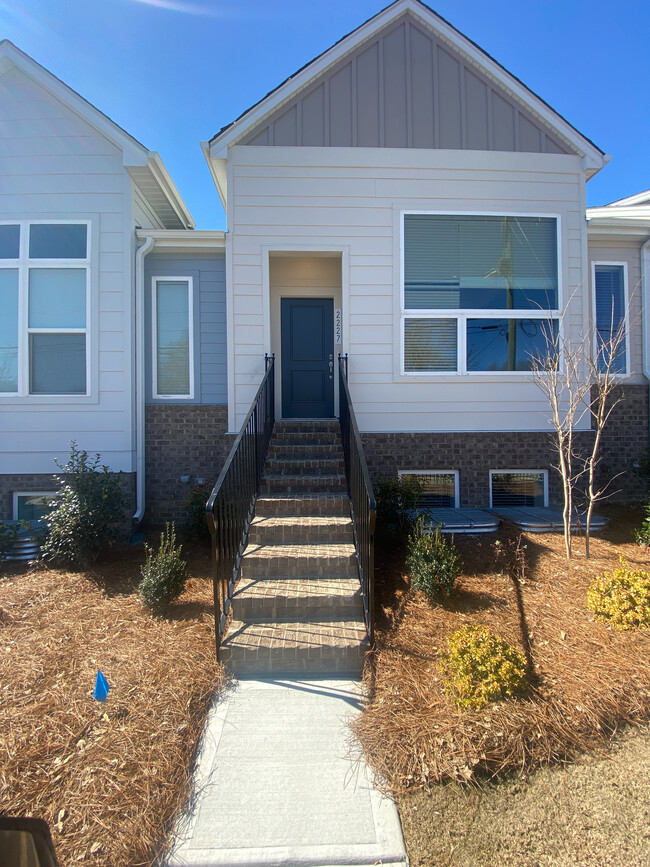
9 330
172 338
610 306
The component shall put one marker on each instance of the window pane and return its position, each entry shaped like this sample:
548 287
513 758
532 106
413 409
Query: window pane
517 490
430 345
57 298
57 241
438 490
9 242
31 507
508 344
8 330
173 333
57 363
471 262
610 316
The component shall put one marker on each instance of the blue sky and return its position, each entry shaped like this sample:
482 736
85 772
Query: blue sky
172 72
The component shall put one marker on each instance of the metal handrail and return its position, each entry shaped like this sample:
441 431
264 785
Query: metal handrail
362 498
230 507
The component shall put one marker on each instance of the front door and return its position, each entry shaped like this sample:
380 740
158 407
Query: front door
307 326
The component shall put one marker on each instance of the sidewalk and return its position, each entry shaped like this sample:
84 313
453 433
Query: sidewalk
280 781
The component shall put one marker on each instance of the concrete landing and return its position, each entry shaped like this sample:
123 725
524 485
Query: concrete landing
281 782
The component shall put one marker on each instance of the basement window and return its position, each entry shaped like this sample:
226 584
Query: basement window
439 488
518 488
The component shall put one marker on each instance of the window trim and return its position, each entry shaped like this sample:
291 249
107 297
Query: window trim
454 473
154 336
23 264
626 313
521 471
462 315
16 494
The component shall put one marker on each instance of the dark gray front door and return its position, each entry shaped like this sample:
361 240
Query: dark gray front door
307 357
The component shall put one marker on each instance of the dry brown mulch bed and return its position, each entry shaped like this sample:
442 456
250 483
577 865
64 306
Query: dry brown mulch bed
588 678
107 777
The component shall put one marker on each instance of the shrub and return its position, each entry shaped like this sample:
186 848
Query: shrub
164 572
642 536
479 667
621 597
397 502
8 533
195 525
433 561
84 517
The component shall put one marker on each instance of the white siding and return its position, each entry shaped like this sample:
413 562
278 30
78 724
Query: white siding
349 199
56 166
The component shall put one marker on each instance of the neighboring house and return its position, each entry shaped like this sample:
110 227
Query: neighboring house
402 199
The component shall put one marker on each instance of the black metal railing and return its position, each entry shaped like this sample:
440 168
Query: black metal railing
230 507
362 498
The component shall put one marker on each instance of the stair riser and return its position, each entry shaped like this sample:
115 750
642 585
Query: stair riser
299 567
317 507
253 610
308 468
305 427
303 484
293 451
305 439
300 536
277 662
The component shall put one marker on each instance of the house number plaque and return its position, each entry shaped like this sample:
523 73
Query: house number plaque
338 327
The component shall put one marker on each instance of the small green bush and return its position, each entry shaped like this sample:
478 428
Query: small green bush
642 536
195 525
432 561
397 502
479 667
84 517
8 533
621 597
164 572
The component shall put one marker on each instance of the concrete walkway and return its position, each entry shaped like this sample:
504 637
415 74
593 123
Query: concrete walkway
281 782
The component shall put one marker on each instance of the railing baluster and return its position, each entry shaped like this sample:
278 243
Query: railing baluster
362 498
230 505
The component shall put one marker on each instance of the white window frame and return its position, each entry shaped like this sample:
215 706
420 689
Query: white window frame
454 473
154 336
520 472
626 309
23 264
17 494
462 315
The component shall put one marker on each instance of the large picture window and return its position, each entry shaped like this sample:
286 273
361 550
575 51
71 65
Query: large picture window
44 284
172 337
480 292
610 304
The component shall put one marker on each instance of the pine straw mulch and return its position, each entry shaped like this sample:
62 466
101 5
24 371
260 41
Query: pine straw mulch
108 778
588 679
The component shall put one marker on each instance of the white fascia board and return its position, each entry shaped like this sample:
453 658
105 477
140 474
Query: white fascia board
169 189
200 239
638 213
218 170
637 199
593 157
132 149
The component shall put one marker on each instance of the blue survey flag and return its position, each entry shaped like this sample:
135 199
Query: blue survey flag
101 687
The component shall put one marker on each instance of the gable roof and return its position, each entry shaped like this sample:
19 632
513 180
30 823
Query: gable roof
252 118
145 167
629 216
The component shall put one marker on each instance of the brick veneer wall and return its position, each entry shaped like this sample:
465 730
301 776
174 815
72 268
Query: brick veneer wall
473 454
624 438
188 440
14 483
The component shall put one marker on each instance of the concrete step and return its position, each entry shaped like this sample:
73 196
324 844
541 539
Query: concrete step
300 466
284 648
293 530
270 599
303 504
280 483
299 561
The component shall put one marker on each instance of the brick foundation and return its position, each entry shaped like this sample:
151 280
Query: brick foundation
14 483
624 438
181 441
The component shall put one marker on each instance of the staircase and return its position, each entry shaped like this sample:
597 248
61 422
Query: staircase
297 608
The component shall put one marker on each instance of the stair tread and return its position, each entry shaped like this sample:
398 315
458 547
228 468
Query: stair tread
298 588
248 635
307 521
298 549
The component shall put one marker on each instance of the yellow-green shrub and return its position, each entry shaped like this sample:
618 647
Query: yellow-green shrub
479 667
621 597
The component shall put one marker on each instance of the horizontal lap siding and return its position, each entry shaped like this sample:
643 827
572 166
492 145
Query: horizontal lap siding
55 166
350 199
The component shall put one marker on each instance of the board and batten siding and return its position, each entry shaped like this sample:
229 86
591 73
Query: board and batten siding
56 166
329 199
627 251
208 273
